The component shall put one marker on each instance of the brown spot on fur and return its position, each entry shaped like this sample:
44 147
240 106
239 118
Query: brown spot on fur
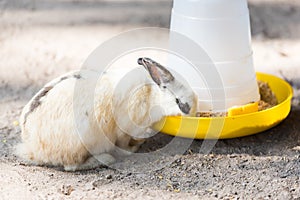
72 158
30 156
43 145
105 120
36 102
141 98
77 76
62 78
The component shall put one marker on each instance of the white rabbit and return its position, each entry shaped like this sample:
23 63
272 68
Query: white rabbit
61 128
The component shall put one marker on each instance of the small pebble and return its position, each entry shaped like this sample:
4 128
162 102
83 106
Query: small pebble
109 176
67 189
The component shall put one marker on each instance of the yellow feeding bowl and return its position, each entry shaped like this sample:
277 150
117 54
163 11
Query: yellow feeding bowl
233 126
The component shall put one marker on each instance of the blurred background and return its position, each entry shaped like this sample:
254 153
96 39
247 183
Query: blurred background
57 35
40 39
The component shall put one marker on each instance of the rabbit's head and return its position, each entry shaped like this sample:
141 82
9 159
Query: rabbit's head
174 91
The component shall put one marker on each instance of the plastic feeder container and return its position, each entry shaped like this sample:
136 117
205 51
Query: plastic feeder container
222 29
233 126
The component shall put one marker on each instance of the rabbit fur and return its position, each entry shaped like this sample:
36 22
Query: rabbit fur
79 119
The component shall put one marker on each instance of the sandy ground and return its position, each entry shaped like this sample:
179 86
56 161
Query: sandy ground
42 39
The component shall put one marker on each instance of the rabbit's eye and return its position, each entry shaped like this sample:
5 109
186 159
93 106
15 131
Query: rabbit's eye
165 87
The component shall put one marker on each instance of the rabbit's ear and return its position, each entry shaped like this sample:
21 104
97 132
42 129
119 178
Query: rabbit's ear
159 74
